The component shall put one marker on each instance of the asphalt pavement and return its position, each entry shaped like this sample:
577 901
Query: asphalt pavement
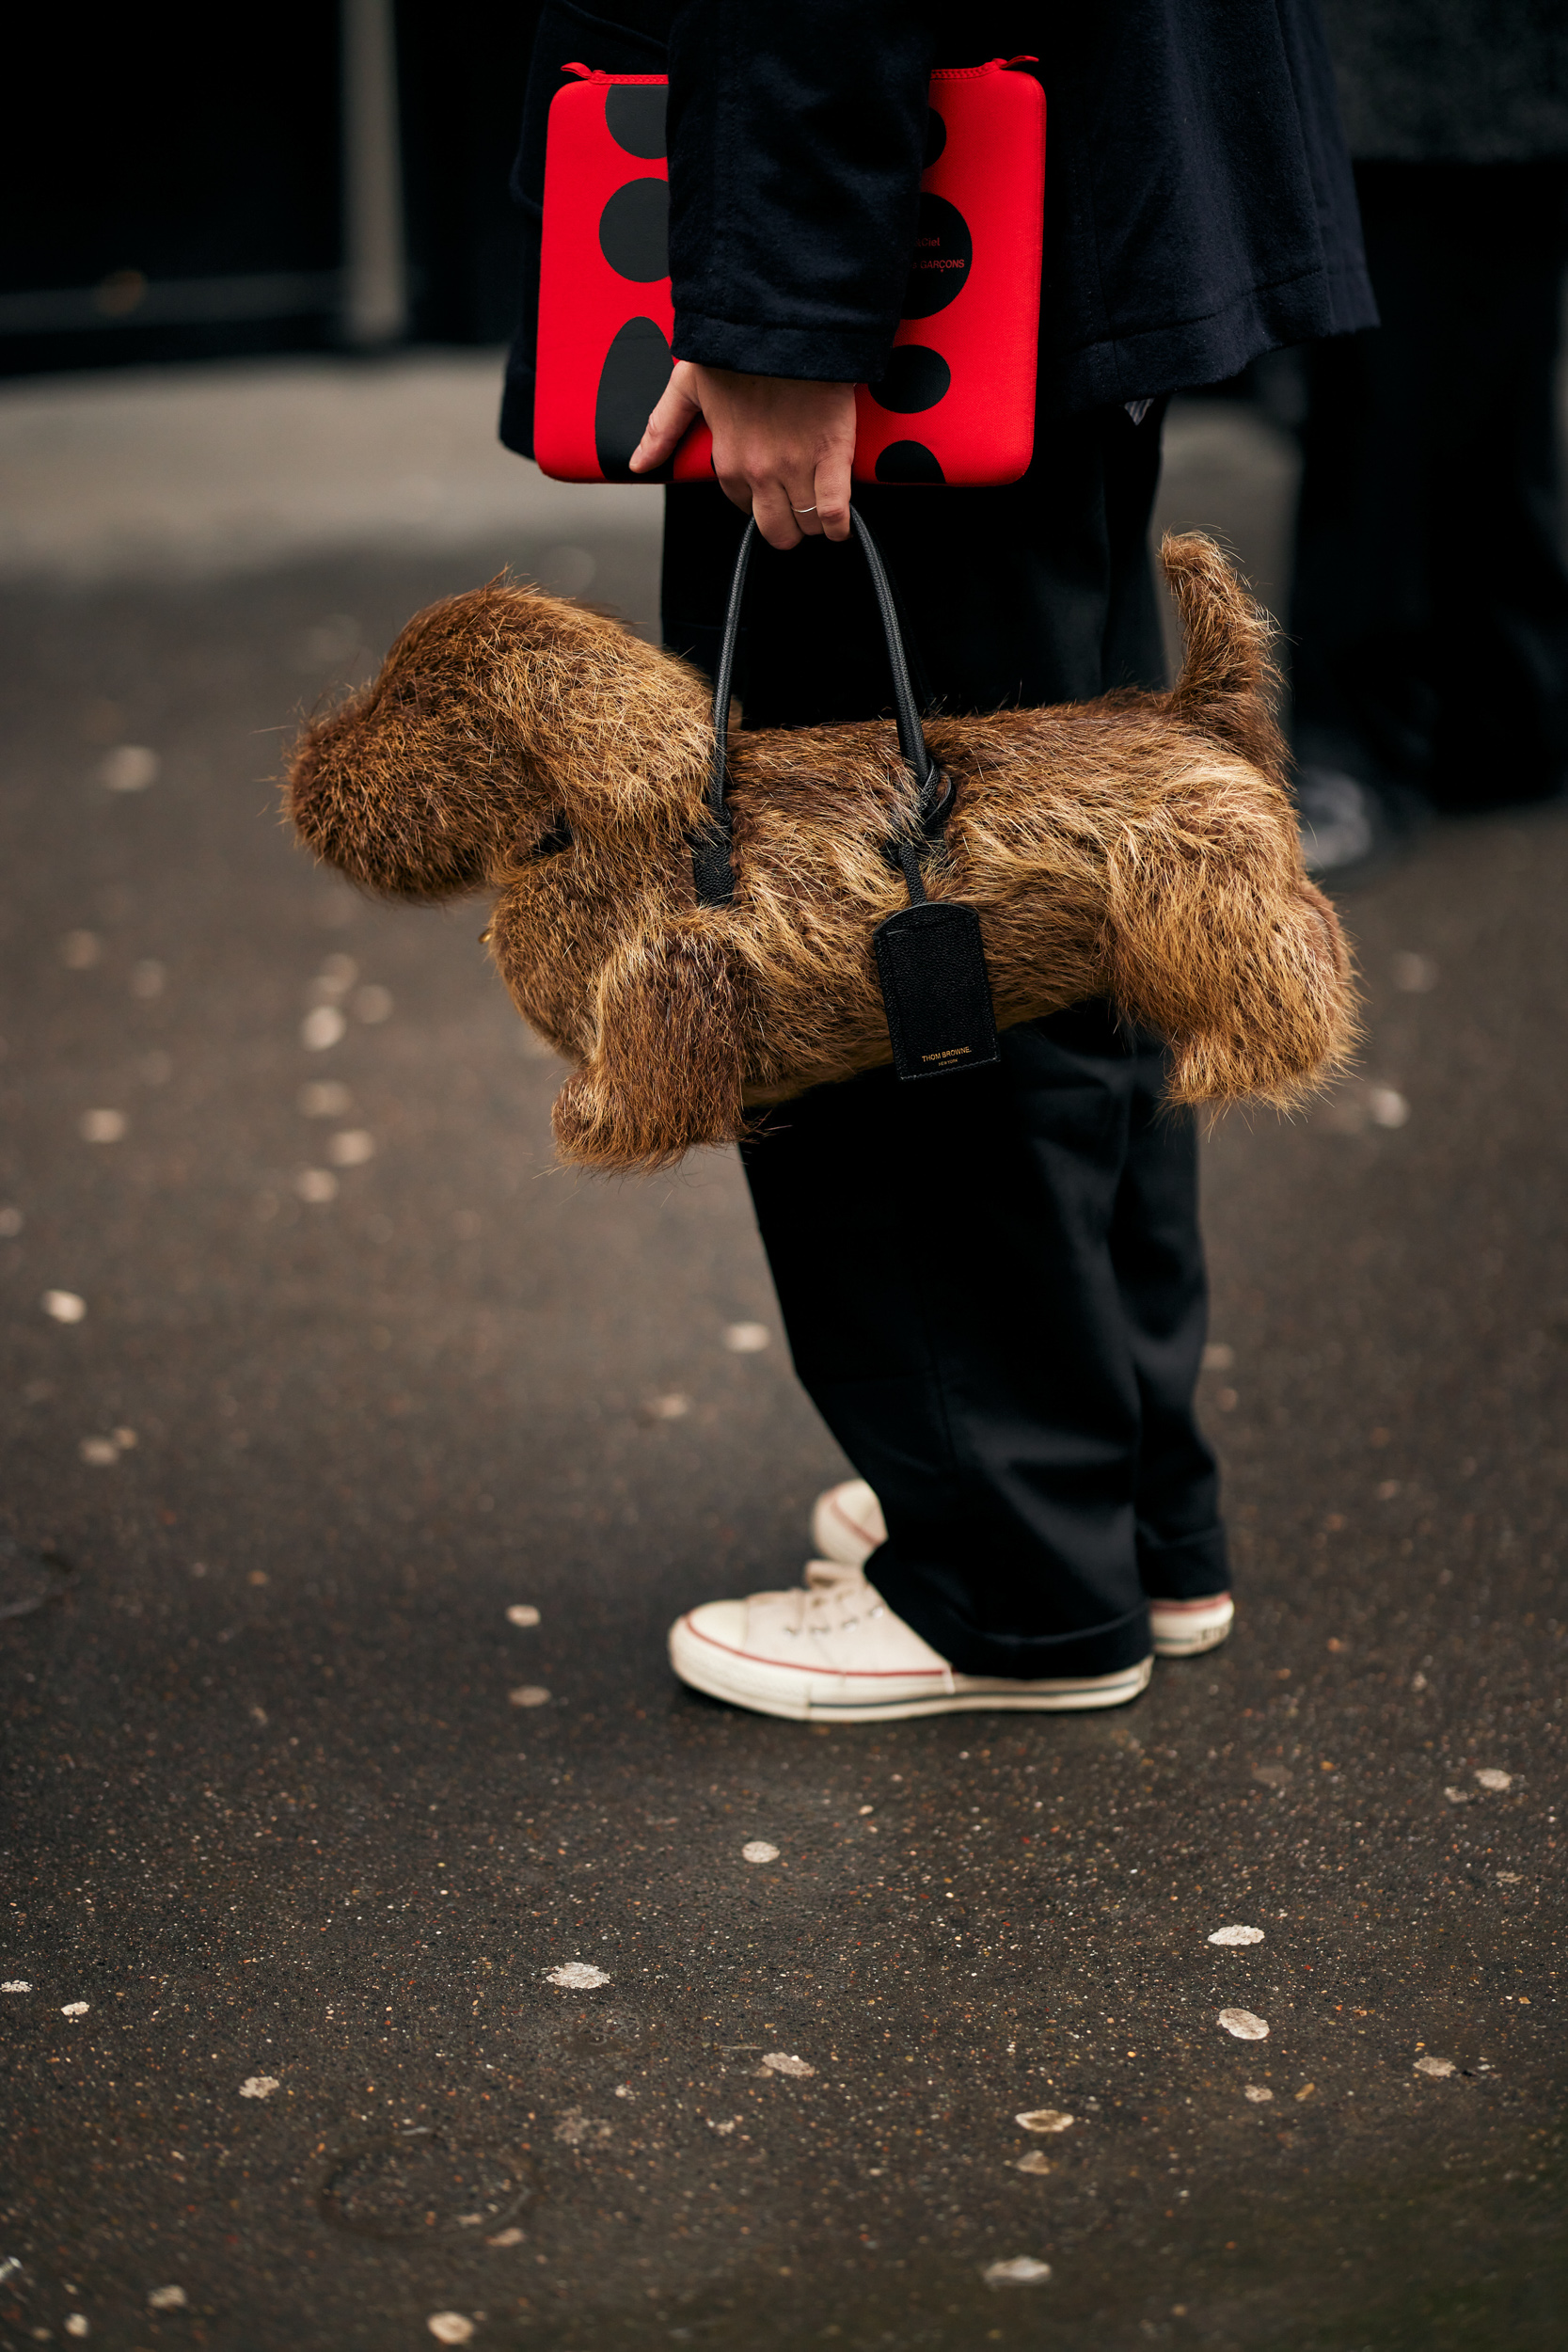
397 1954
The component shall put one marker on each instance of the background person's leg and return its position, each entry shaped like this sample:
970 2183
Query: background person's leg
1430 605
989 1286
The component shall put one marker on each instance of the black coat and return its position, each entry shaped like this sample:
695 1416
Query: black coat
1199 208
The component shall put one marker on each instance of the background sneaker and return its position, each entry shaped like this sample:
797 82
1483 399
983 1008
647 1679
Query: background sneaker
1353 830
1182 1627
833 1650
847 1525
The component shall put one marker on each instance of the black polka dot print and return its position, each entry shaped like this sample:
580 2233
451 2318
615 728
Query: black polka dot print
635 120
634 231
916 378
943 251
636 370
909 461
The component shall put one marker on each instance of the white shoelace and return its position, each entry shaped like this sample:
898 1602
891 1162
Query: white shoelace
832 1598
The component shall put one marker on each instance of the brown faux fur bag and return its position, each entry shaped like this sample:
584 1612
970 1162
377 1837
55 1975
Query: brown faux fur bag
1142 848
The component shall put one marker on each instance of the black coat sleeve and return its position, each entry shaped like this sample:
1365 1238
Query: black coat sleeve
797 138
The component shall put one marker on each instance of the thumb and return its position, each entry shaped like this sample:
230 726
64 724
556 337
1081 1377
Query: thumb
678 410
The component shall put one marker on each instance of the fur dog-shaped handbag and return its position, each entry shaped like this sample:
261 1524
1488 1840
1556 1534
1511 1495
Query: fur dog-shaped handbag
1141 847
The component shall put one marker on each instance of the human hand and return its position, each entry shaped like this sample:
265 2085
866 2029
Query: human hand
781 448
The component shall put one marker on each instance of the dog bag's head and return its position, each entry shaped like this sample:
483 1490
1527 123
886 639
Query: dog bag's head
502 720
521 741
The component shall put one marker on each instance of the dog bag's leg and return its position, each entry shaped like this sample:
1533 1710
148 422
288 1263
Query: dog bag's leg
668 1067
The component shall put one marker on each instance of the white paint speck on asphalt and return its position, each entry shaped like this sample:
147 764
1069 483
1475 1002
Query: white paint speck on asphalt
100 1451
784 2062
450 2328
335 978
522 1613
506 2237
259 2086
352 1147
746 1339
1386 1106
316 1185
374 1004
1044 2120
103 1126
529 1694
672 1407
577 2130
1035 2160
758 1850
1256 2092
16 1984
322 1026
577 1976
1491 1778
1237 1935
1415 975
1218 1357
1505 1878
1439 2069
77 2324
167 2299
74 2008
1457 1796
129 768
80 950
64 1305
324 1098
1244 2025
1023 2271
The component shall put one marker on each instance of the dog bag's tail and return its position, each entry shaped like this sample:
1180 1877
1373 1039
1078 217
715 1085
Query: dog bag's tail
1228 684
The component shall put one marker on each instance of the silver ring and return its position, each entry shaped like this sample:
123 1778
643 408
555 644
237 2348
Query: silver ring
802 510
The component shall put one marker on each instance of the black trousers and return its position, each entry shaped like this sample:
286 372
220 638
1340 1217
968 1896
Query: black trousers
1430 608
992 1284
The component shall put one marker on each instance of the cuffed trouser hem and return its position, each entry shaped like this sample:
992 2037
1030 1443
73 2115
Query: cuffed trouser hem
1103 1650
1193 1569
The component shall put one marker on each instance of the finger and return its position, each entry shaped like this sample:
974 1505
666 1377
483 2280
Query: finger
735 486
831 491
770 507
671 419
804 505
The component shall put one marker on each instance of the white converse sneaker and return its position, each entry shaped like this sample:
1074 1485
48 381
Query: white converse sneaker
832 1649
1181 1628
846 1524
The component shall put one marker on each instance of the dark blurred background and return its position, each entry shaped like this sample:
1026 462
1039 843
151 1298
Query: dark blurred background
320 179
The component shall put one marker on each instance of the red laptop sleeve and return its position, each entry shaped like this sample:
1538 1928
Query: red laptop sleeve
957 403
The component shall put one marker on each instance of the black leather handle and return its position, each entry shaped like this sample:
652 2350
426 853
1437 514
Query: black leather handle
710 853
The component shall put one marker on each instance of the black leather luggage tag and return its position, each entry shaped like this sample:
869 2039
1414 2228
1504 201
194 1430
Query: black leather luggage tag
932 969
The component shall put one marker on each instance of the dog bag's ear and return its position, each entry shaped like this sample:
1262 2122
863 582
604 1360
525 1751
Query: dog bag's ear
667 1071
